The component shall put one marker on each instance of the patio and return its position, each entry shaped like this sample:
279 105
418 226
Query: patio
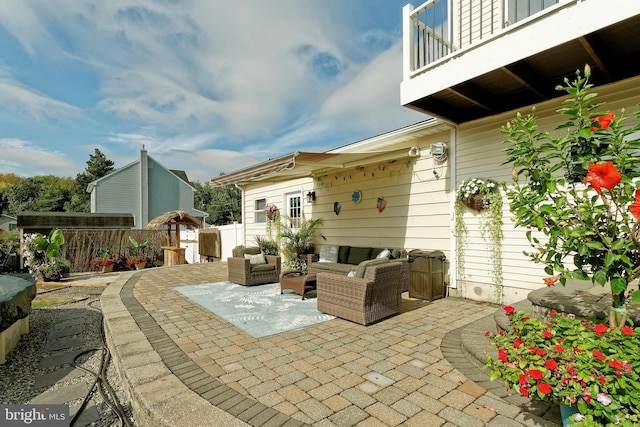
183 365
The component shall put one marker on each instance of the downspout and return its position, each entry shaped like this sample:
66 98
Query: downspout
453 270
243 211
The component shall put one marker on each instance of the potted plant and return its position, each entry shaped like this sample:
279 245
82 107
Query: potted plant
577 363
137 253
139 261
297 241
42 255
105 261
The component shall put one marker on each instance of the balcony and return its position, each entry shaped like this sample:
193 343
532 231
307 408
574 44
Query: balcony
464 60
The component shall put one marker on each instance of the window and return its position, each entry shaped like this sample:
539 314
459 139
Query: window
294 209
259 215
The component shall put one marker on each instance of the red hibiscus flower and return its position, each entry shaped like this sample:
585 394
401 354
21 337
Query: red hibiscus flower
615 364
544 388
626 330
598 355
523 379
502 355
550 281
524 391
635 206
603 175
518 342
559 348
602 122
508 309
600 329
547 334
536 374
551 364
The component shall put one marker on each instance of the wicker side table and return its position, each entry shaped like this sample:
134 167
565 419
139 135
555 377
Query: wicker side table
298 281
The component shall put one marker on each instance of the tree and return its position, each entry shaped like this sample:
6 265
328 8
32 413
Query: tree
97 167
221 203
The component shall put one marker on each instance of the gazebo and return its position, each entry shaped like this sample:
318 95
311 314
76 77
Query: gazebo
173 253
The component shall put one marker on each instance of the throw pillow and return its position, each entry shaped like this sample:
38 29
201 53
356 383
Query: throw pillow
357 255
328 253
343 254
385 253
255 259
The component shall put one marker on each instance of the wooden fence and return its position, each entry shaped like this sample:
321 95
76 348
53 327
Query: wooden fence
81 245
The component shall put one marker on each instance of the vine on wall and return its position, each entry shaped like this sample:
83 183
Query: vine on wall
483 196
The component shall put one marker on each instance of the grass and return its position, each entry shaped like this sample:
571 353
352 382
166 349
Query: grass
43 302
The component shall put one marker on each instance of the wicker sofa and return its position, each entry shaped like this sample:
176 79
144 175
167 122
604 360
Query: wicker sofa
352 259
242 271
364 300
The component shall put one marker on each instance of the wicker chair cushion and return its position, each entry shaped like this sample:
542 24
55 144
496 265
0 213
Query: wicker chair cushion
362 267
240 252
262 267
357 255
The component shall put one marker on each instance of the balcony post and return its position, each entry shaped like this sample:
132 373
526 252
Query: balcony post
407 43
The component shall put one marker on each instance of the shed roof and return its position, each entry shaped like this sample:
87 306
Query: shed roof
74 220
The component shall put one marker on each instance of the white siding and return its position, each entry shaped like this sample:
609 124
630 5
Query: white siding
479 153
417 214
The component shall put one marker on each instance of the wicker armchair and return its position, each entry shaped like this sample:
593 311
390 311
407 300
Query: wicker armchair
241 270
378 294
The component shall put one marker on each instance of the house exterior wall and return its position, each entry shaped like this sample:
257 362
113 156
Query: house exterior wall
417 213
273 193
167 192
118 192
479 154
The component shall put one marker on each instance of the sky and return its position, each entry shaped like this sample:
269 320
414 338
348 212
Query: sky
206 86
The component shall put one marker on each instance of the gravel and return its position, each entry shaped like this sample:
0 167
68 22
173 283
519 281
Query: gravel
18 375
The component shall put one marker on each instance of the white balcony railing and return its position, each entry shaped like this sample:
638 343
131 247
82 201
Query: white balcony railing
438 28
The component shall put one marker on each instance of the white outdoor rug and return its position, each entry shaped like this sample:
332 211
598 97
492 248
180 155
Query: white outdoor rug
258 310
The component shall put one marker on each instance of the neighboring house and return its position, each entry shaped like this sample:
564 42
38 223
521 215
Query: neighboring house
145 189
473 69
8 223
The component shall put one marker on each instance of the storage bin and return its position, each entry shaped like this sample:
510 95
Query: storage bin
426 274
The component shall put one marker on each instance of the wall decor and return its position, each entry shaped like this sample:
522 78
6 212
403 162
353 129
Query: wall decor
336 208
356 197
381 204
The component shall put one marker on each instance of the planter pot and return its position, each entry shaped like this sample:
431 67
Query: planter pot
141 266
565 412
107 268
476 202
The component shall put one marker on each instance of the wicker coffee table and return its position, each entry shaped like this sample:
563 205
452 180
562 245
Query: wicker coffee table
298 281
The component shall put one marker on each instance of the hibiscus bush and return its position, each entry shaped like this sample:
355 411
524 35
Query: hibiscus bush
573 361
576 193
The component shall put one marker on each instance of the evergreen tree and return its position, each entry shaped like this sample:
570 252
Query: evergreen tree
97 167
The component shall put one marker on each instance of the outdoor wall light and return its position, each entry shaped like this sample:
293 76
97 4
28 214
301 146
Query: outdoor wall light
311 196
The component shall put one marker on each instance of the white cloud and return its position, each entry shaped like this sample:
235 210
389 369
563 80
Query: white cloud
25 159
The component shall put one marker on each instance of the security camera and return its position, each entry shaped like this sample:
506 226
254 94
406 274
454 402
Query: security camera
414 151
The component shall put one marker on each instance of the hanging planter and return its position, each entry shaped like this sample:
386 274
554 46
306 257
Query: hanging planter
476 202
